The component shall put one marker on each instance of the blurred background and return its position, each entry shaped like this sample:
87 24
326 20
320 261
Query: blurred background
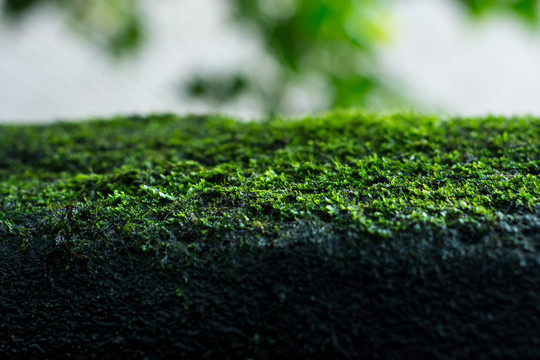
75 59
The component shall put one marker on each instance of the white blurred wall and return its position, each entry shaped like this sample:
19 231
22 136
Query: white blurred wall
47 72
442 61
453 65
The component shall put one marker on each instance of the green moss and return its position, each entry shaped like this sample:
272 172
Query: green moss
162 182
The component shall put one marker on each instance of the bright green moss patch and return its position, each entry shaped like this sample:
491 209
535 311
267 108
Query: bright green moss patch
164 182
345 236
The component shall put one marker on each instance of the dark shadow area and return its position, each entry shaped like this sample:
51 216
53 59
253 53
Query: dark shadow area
391 300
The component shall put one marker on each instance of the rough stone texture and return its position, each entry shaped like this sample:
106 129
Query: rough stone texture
381 301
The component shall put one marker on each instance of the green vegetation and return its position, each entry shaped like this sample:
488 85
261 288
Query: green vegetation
330 43
163 182
344 236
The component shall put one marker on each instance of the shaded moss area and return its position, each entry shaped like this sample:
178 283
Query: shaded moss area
343 235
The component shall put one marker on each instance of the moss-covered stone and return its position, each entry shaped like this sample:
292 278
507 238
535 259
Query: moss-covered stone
210 195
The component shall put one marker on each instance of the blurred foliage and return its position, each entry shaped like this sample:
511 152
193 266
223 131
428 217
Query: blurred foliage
525 9
218 88
330 41
333 41
115 25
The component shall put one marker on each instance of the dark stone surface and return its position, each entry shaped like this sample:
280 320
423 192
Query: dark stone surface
384 301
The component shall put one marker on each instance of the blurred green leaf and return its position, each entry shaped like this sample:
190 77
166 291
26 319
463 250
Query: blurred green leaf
217 88
528 9
17 7
116 25
328 40
525 9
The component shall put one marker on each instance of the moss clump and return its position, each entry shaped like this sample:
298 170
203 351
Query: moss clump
163 181
348 235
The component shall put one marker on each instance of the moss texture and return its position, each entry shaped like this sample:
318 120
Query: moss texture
336 194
